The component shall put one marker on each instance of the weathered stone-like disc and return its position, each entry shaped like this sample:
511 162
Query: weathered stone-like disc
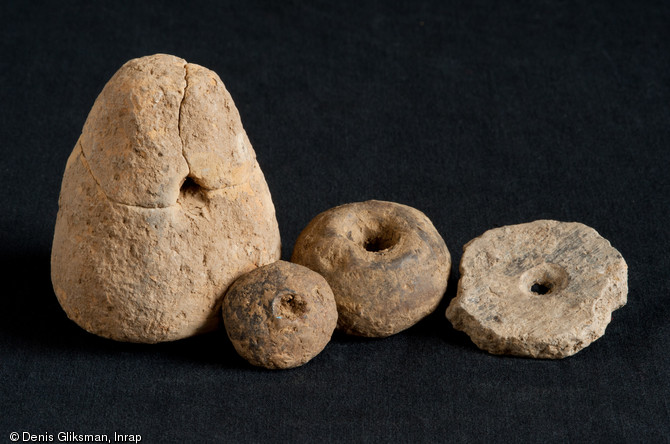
544 289
162 206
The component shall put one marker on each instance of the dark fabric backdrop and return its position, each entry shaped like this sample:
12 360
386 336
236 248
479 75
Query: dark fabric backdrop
478 113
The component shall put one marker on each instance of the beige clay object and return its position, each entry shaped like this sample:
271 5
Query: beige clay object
162 206
386 263
280 315
544 289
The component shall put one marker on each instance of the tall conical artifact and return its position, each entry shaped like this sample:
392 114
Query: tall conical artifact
162 206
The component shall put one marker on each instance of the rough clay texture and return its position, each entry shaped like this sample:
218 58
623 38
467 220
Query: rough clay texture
280 315
503 272
162 206
386 263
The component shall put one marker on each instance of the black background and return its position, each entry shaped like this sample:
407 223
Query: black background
480 114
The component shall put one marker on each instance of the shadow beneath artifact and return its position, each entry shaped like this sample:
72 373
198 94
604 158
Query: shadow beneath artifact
436 324
32 320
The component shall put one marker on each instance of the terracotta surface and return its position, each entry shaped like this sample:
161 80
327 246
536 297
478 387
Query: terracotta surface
280 315
386 263
544 289
162 206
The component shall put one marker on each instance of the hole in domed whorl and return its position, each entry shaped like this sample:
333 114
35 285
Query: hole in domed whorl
371 232
379 242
